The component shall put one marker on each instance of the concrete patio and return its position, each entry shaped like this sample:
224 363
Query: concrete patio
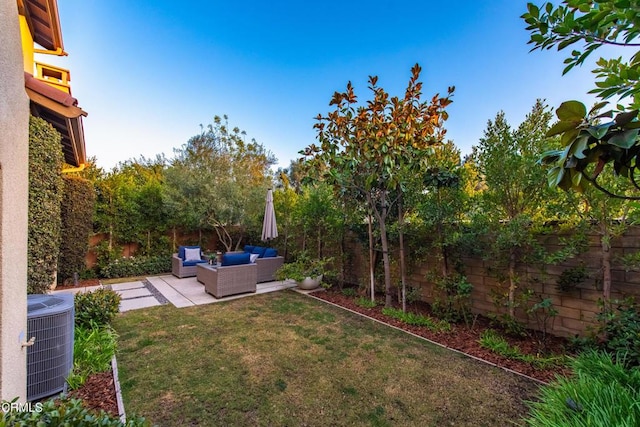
187 292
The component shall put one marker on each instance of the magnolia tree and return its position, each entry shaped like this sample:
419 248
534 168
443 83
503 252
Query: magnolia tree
591 140
371 149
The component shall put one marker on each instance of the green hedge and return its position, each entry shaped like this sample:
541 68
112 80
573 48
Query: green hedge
77 223
136 266
45 194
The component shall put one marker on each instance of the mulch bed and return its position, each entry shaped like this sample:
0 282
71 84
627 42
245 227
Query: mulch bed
99 390
464 338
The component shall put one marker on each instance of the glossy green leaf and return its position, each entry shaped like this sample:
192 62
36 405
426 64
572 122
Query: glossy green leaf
597 107
569 136
555 175
624 139
576 178
571 111
578 147
550 157
561 127
598 132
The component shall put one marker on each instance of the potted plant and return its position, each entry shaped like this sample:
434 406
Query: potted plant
307 272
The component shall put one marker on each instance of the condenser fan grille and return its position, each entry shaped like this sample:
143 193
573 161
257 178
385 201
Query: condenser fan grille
50 360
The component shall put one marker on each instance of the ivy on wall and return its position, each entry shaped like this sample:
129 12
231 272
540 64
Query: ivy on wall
45 195
76 213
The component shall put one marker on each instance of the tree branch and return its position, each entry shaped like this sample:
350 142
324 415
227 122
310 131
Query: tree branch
607 192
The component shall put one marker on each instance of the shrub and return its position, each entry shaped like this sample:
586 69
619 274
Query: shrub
601 392
416 319
136 266
494 342
45 194
97 308
365 302
570 278
620 325
63 412
453 298
349 292
77 223
93 349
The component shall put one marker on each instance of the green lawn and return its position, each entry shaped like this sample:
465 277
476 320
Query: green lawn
284 359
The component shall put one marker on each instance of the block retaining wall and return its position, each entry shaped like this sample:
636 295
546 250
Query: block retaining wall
576 308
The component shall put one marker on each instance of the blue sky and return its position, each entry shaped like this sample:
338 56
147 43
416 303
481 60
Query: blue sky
149 73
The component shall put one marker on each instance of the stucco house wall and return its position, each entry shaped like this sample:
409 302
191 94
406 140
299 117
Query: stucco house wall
14 146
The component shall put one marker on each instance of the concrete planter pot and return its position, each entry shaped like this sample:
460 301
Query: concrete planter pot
310 283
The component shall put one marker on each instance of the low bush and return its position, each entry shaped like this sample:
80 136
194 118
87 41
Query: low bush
62 412
601 392
93 348
491 340
349 292
452 298
620 327
136 266
365 302
96 308
417 319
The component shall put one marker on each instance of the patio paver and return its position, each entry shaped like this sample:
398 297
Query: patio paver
188 291
181 293
135 303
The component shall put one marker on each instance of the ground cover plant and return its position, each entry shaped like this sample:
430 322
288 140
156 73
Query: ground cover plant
601 392
64 412
285 359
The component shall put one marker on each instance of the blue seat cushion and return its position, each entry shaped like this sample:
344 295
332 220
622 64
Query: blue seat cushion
270 253
248 248
259 250
182 248
192 263
236 259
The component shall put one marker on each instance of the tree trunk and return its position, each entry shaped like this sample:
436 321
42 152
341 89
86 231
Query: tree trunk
382 217
403 270
372 277
175 239
605 245
512 285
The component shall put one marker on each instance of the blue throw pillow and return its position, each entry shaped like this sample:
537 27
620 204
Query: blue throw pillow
270 253
258 250
248 248
235 259
181 250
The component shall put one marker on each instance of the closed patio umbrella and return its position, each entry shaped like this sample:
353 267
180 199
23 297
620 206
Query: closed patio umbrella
269 226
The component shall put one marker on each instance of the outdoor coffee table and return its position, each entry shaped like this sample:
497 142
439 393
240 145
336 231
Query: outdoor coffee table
228 280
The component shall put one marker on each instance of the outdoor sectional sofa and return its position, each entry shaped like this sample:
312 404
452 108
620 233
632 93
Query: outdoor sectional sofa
268 262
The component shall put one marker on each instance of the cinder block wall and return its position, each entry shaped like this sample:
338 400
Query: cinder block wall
576 309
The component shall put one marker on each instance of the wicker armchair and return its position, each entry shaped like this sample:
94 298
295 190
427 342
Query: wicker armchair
180 270
267 268
229 280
